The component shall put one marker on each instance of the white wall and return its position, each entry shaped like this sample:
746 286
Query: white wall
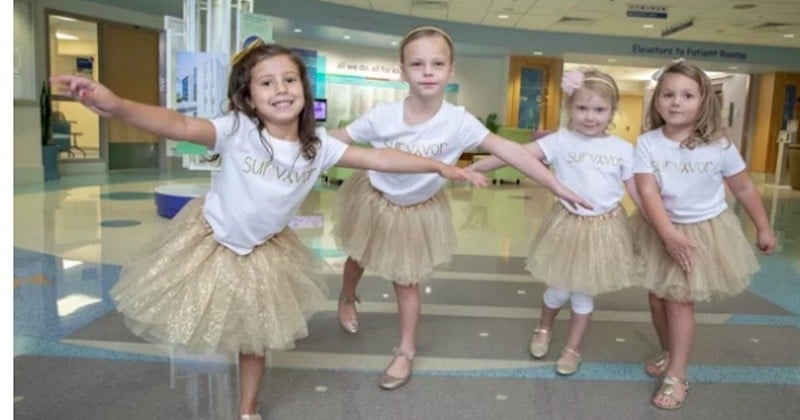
635 87
27 132
482 81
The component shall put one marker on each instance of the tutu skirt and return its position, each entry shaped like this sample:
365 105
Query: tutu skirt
186 289
400 243
588 254
722 265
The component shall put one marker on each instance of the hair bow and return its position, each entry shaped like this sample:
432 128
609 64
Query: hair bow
572 81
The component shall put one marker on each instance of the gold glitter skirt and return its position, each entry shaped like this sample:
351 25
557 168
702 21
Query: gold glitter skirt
185 289
722 266
588 254
400 243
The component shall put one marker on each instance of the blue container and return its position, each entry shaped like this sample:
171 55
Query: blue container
171 198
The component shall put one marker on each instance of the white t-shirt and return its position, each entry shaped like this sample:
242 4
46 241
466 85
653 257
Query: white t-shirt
444 137
592 167
691 180
253 197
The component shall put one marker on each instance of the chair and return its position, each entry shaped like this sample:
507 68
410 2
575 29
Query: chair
63 136
509 173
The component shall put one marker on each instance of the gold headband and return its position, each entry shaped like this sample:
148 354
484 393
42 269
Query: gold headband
597 79
246 51
439 31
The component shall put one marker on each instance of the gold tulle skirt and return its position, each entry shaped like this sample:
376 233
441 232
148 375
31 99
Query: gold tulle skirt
185 289
722 266
588 254
401 243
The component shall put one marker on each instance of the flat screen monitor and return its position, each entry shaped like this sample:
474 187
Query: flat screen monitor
320 110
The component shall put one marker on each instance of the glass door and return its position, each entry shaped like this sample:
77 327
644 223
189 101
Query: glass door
532 93
72 46
533 97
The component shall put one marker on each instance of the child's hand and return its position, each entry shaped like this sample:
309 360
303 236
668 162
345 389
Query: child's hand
766 241
476 178
91 94
573 199
680 249
459 174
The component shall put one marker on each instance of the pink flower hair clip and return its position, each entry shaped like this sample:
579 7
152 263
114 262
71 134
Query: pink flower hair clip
571 81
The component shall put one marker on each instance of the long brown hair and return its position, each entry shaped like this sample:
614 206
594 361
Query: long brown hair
709 127
239 94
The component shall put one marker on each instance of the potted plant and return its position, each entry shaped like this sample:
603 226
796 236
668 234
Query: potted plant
45 113
491 122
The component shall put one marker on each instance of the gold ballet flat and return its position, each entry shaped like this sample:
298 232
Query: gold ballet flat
389 382
540 342
568 363
352 325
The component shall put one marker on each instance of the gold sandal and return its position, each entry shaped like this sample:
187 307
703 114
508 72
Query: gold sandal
657 366
667 392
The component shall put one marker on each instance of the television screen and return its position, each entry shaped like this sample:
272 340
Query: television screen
320 109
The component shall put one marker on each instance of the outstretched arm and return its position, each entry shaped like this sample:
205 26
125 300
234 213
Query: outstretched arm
493 162
392 160
518 157
676 243
743 189
160 121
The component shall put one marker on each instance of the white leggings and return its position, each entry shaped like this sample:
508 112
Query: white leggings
555 298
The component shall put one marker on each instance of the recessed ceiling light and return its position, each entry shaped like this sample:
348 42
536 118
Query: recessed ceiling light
297 30
788 35
538 53
346 37
502 16
744 6
612 60
647 26
733 67
394 42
